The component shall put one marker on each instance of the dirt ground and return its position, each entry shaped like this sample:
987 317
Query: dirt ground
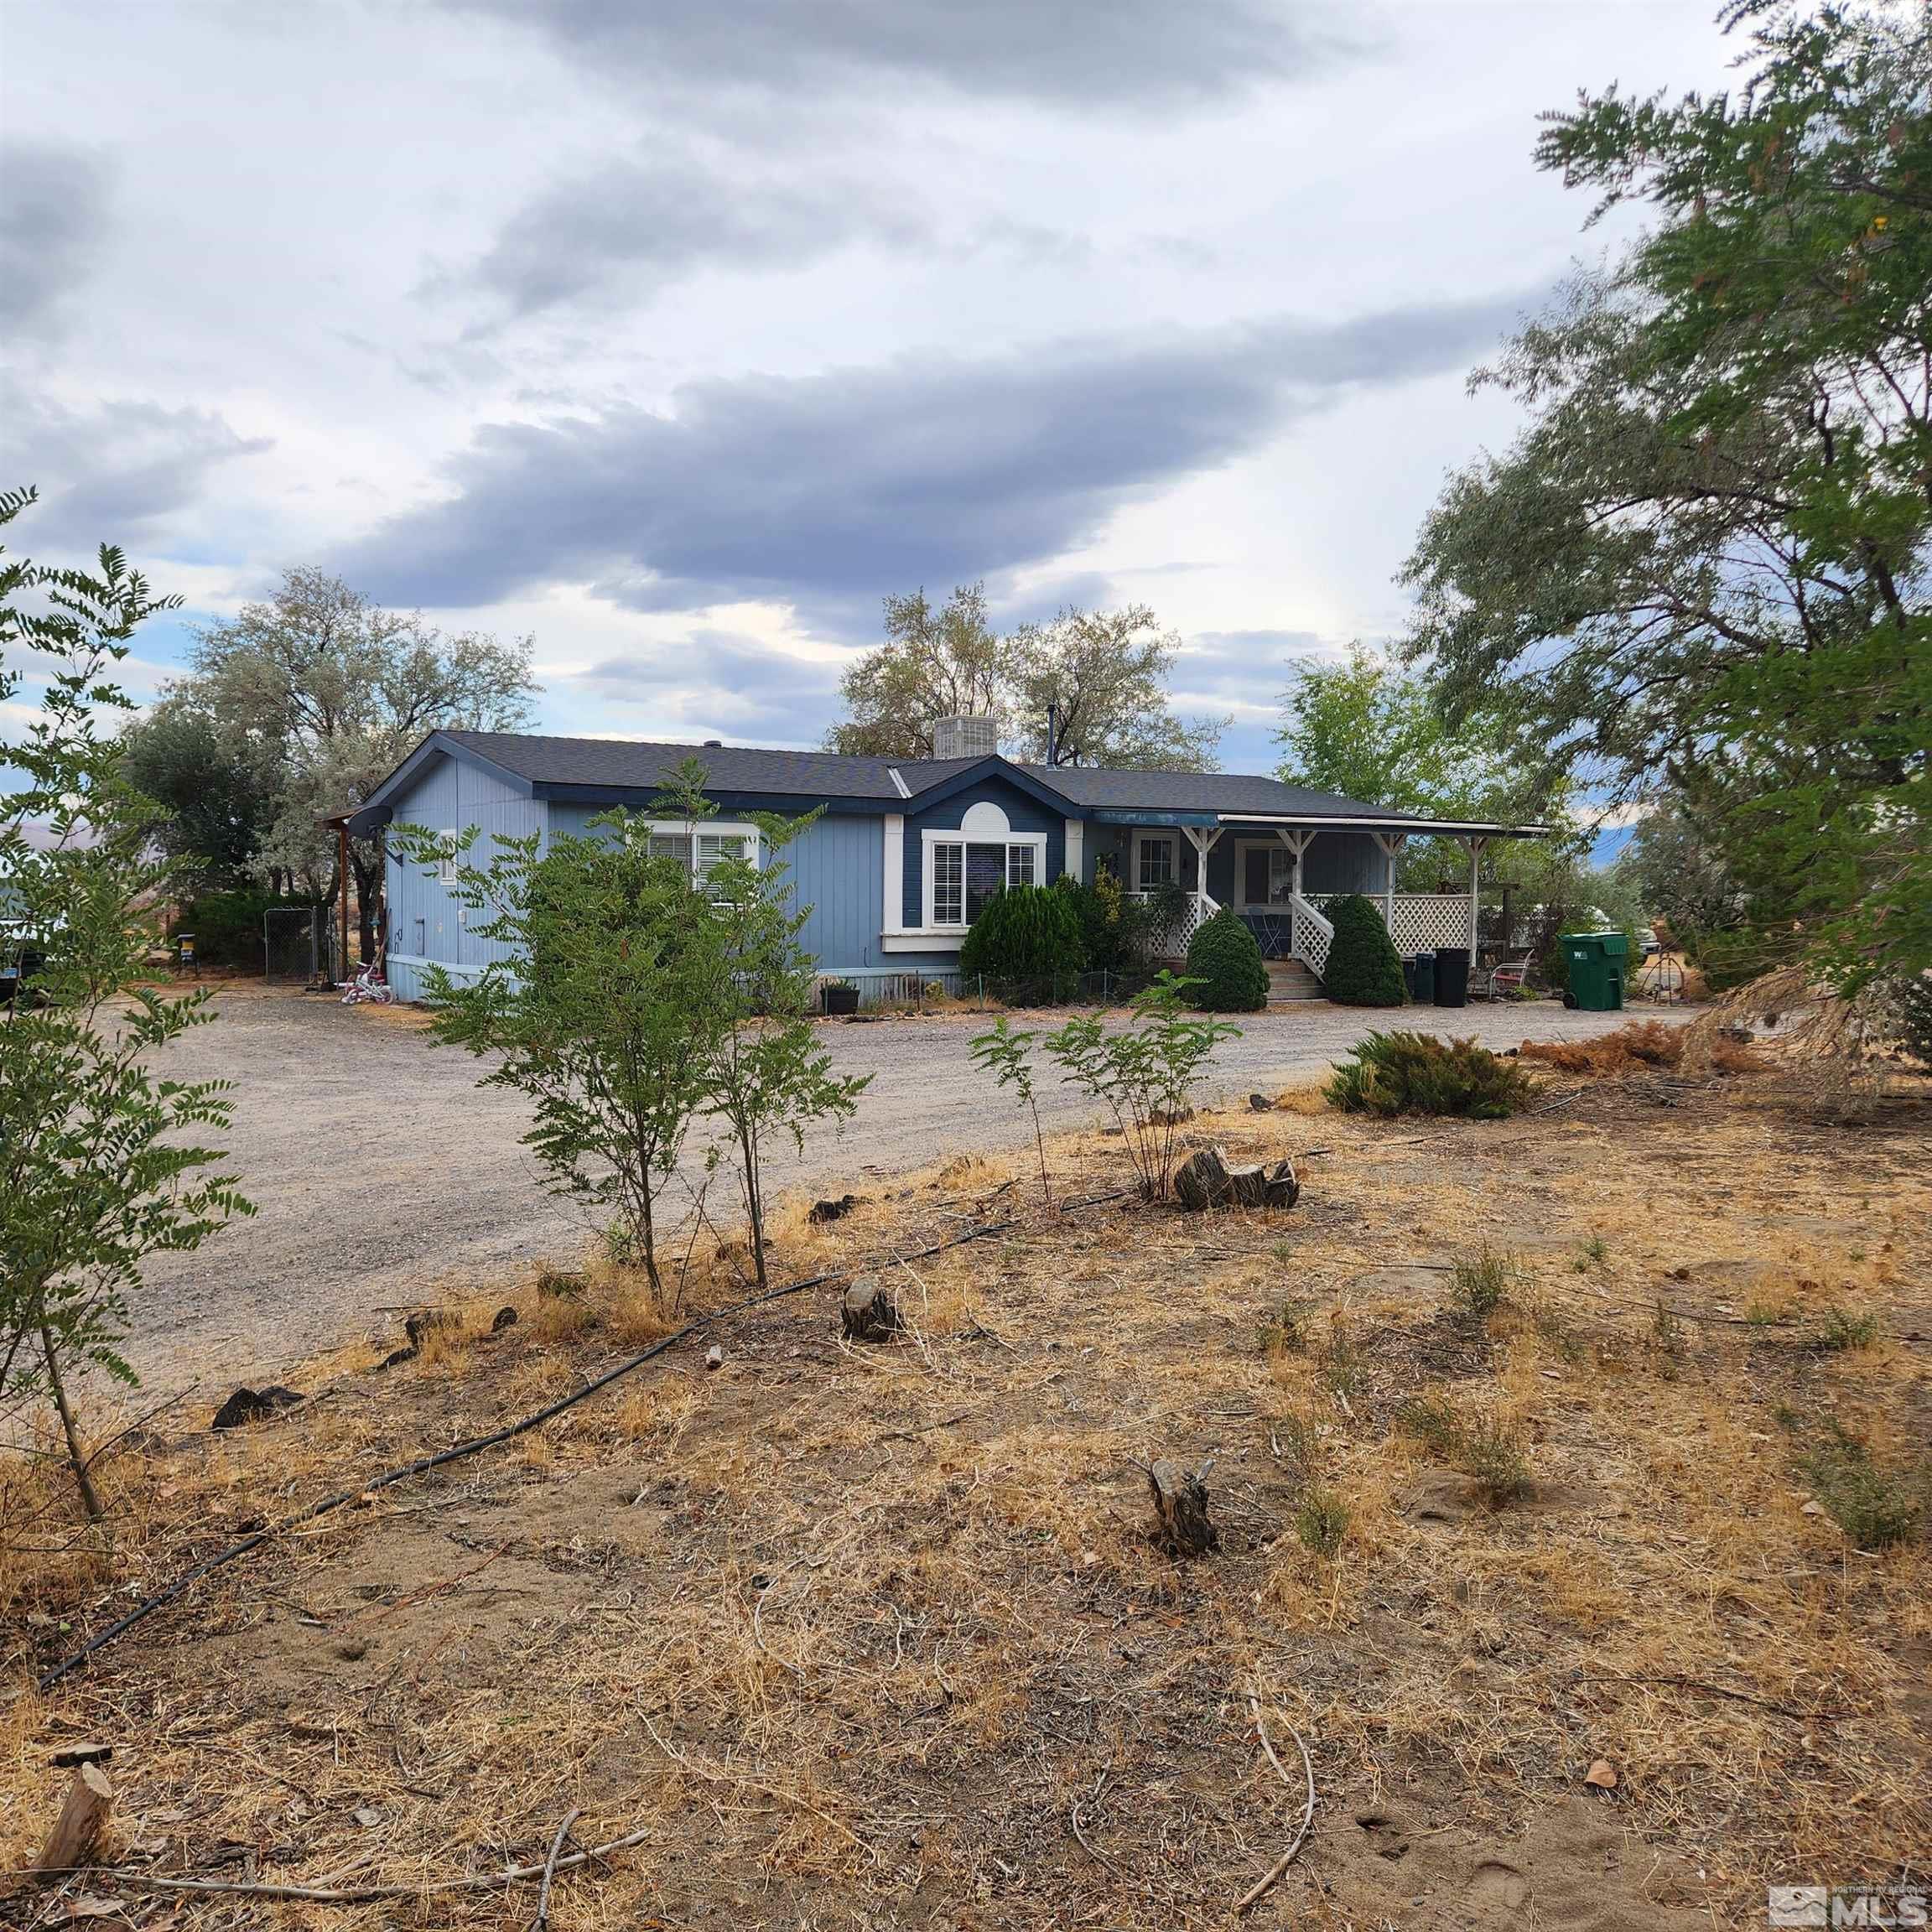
381 1170
878 1636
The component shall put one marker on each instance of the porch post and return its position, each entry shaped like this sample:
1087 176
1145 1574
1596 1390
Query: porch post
1297 844
1475 902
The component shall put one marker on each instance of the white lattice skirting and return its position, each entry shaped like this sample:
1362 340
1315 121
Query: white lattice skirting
1422 921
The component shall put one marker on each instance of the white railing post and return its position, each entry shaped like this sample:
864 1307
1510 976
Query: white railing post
1476 845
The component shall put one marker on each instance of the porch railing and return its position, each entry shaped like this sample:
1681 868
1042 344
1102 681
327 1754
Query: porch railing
1310 934
1168 941
1419 921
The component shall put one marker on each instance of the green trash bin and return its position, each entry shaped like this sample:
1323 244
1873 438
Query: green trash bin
1596 963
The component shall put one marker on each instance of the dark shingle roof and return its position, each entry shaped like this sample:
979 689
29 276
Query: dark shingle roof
634 764
631 764
1111 791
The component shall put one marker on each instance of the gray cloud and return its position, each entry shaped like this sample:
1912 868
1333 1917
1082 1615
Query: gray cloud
53 214
721 681
824 490
112 473
1072 53
644 225
1244 667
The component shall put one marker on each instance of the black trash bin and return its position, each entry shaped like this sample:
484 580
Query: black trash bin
1418 978
1451 975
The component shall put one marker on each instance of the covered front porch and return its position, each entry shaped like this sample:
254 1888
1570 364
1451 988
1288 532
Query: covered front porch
1278 874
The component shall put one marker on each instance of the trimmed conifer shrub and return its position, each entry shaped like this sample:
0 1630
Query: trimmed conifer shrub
1224 956
1028 932
1363 969
1391 1073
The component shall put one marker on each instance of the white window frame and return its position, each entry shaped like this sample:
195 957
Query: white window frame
1171 837
931 840
1243 847
697 828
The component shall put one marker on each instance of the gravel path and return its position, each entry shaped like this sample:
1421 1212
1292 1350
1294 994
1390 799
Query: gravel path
381 1170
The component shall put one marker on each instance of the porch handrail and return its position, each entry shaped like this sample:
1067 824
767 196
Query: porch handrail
1310 934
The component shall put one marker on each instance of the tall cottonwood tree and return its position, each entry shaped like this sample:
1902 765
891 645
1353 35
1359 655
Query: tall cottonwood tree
329 690
1702 569
1102 674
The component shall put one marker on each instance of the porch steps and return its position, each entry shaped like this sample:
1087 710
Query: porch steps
1289 980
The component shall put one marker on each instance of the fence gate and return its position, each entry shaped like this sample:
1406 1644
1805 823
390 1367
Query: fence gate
292 940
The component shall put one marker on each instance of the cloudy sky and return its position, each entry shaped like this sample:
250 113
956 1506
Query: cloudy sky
678 332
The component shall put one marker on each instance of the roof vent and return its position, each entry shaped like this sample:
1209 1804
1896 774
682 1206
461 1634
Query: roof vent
965 737
711 744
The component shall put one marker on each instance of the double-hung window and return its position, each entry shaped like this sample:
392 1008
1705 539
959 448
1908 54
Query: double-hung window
967 872
700 852
1155 863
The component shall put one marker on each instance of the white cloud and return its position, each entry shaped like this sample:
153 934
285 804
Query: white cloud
314 272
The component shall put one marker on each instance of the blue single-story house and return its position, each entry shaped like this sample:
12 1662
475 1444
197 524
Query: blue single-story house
907 850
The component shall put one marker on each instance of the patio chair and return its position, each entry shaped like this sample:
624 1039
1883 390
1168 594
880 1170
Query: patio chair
1508 978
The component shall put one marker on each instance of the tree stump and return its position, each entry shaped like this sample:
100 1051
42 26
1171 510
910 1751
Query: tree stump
82 1828
1205 1180
248 1405
1201 1181
1284 1186
869 1313
1180 1504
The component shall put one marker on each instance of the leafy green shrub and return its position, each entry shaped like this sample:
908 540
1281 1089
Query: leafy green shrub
1144 1075
1114 929
1321 1521
1025 932
1362 969
227 928
1225 957
1392 1073
1871 1506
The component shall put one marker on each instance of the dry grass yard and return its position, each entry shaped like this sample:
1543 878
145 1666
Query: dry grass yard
1532 1442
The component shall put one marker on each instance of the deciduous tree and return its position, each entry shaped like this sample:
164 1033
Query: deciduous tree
1702 569
95 1172
331 692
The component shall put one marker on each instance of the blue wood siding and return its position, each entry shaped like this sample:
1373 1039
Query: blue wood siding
425 921
1343 862
1023 815
837 869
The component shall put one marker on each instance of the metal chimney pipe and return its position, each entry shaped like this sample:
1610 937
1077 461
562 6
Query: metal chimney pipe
1053 734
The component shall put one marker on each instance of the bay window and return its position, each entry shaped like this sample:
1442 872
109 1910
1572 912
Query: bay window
962 874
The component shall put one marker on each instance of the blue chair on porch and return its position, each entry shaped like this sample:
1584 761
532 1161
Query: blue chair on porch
1274 932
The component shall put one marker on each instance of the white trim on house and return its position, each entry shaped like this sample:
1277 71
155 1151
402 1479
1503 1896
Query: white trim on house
892 910
1144 835
899 784
1417 828
1075 846
975 831
946 942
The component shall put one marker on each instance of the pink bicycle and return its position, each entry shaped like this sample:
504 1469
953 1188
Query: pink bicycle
368 987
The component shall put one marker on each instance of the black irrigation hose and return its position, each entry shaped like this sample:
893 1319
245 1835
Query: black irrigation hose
423 1464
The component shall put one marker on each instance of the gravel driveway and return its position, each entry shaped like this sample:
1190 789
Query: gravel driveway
381 1170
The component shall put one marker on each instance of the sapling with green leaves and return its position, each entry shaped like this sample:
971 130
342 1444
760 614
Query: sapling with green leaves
1004 1053
94 1175
763 1069
1144 1075
606 956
